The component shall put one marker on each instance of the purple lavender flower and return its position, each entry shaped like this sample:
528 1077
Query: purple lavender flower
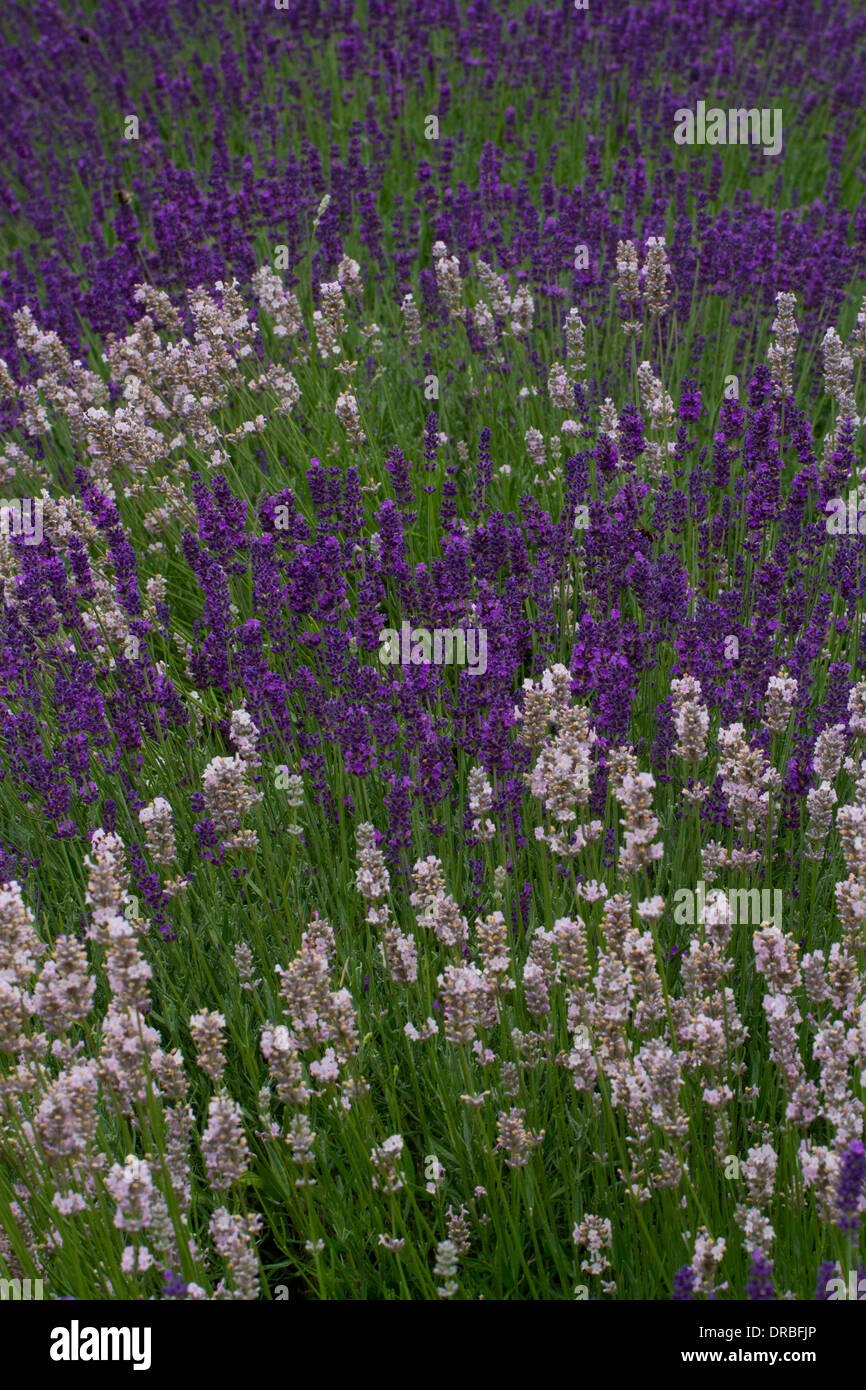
826 1272
174 1285
684 1283
849 1191
759 1286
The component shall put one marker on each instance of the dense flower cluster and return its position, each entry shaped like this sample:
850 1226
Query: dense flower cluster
383 964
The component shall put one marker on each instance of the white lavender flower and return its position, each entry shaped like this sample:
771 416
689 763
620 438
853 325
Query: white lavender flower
656 274
780 354
446 1268
158 824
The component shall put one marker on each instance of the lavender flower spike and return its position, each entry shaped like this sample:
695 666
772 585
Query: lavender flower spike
849 1193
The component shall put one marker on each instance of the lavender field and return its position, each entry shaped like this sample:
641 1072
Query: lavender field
432 670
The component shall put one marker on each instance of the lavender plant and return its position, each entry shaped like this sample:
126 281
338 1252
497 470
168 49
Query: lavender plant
365 977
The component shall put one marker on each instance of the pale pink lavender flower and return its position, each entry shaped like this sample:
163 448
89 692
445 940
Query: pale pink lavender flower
66 1119
654 398
628 286
639 849
246 967
281 304
780 696
136 1259
127 1048
758 1233
521 311
127 971
747 781
776 958
535 989
424 1034
386 1159
819 802
132 1188
458 1228
780 354
234 1238
656 274
838 374
108 879
480 797
300 1137
329 322
857 708
158 824
691 720
64 991
468 1001
349 276
348 413
69 1203
592 892
494 949
399 954
857 341
411 321
372 878
448 280
244 737
229 797
651 909
224 1144
393 1244
445 1268
497 288
708 1256
594 1234
435 909
326 1069
609 420
535 447
207 1034
515 1139
560 388
575 331
829 750
280 1051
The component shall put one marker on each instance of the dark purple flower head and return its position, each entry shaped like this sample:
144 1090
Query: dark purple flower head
398 466
684 1283
826 1272
690 399
849 1192
174 1285
632 442
759 1286
431 440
